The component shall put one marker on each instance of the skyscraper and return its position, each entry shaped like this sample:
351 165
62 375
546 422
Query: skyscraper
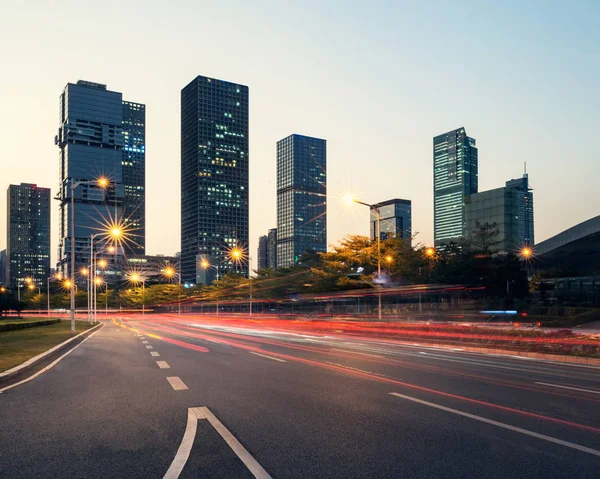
272 248
524 211
454 177
214 177
301 198
395 219
92 145
134 175
262 253
509 208
28 234
3 267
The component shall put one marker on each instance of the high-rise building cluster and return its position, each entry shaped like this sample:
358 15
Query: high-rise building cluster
460 209
102 185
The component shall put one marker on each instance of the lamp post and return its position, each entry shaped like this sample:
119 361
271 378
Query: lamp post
430 253
205 265
136 278
169 272
58 277
349 199
102 183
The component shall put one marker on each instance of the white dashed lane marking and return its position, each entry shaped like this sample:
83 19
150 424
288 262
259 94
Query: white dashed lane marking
176 383
154 353
163 365
149 347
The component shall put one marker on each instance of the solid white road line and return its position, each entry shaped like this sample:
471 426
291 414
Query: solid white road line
351 350
569 387
502 425
176 383
42 371
268 357
154 353
183 453
163 365
144 342
253 466
149 347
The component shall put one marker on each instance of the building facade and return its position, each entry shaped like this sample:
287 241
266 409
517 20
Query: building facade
455 175
134 175
301 198
92 140
262 253
3 267
214 177
524 209
510 208
28 235
395 219
272 248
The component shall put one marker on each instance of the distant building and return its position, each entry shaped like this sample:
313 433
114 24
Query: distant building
3 267
301 198
263 252
510 208
214 177
134 175
455 166
28 234
150 266
99 135
272 249
395 219
524 209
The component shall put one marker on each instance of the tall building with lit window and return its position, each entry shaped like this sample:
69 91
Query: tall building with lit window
395 219
134 175
28 235
262 252
455 166
99 135
214 177
301 198
272 249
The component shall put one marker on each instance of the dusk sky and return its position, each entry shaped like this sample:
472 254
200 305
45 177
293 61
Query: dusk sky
376 79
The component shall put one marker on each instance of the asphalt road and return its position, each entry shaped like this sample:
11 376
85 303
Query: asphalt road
293 403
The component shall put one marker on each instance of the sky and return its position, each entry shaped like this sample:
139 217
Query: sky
378 80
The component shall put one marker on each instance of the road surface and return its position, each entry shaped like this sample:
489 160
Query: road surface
168 396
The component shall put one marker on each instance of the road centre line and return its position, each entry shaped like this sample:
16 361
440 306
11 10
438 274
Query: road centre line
349 350
144 342
569 387
176 383
149 347
154 353
502 425
183 453
268 357
163 365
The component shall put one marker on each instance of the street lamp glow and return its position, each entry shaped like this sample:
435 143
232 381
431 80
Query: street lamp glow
116 232
59 276
349 199
84 271
31 286
67 284
526 253
389 259
430 252
111 249
98 280
135 277
103 182
102 263
28 280
2 289
204 263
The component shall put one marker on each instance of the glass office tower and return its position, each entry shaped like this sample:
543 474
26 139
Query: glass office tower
524 214
214 177
272 248
262 252
90 139
395 219
134 175
28 235
301 198
454 177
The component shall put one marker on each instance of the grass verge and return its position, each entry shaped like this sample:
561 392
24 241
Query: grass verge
18 346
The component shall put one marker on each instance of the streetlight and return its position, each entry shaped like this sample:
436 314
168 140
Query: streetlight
101 182
58 277
526 255
169 272
205 265
349 200
137 278
430 253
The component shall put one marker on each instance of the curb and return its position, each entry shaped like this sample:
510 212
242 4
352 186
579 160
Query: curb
560 358
33 362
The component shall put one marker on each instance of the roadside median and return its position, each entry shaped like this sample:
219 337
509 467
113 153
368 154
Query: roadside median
25 350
